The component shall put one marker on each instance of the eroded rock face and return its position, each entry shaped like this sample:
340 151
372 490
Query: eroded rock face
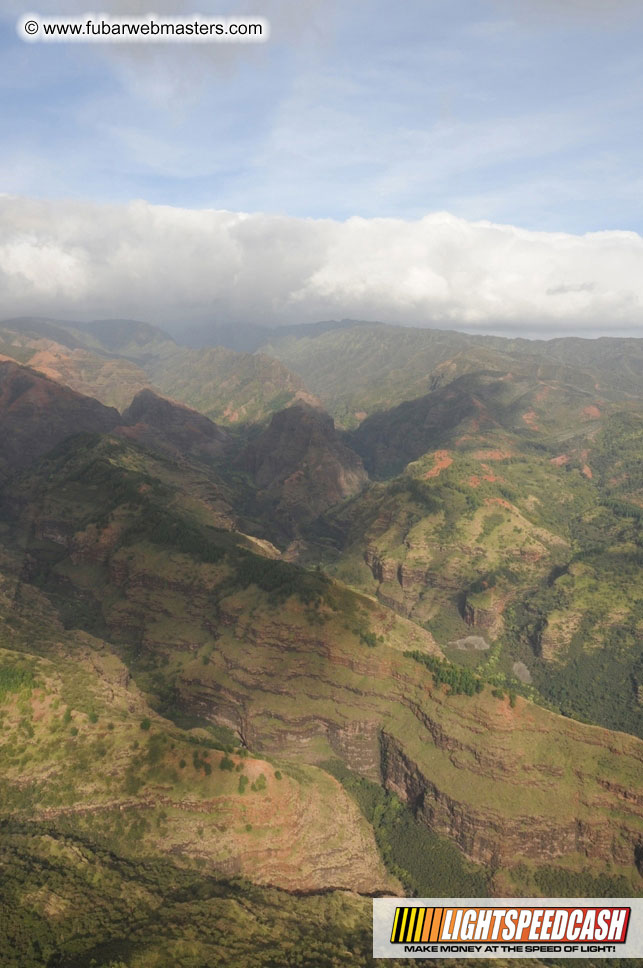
383 569
490 838
401 585
486 834
300 463
480 618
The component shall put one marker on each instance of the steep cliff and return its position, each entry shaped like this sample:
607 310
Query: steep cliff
301 466
36 414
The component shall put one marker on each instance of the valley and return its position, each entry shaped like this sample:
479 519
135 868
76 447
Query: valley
283 620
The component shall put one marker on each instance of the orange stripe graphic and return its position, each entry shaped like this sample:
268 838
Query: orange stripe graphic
438 918
428 920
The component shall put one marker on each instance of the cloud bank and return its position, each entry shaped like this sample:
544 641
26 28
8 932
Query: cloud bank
177 267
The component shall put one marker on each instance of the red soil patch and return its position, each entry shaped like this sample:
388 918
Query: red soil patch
530 419
490 476
492 454
474 480
503 711
498 500
361 415
560 461
586 469
592 412
442 460
543 394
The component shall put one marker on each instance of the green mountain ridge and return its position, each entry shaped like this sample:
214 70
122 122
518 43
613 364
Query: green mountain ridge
363 368
113 360
244 686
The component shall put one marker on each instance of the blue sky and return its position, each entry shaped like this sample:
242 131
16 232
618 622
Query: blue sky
522 112
470 164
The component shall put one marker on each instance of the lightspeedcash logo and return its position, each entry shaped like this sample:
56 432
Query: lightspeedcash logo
507 928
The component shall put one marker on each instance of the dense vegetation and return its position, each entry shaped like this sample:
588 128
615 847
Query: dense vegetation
557 882
14 677
173 532
427 865
599 669
111 911
281 580
458 679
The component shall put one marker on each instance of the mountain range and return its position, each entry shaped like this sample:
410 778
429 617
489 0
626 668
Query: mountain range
294 618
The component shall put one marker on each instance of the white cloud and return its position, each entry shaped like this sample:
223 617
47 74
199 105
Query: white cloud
177 266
